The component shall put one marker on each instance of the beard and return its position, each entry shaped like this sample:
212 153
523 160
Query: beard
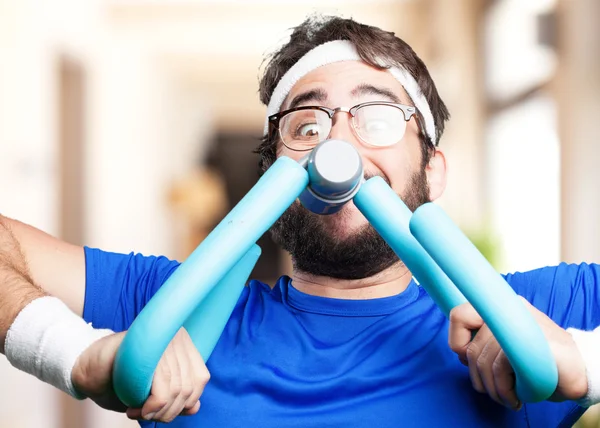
315 249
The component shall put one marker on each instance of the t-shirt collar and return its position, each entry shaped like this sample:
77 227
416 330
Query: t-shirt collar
300 301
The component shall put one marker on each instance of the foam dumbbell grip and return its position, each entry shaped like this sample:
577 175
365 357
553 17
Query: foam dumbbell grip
390 217
216 308
495 301
193 281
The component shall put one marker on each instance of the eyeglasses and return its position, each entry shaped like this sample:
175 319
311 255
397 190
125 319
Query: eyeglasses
377 124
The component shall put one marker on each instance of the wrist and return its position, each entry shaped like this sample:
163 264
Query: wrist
587 388
46 339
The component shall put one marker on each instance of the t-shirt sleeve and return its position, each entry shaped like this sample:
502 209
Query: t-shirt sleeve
567 293
118 286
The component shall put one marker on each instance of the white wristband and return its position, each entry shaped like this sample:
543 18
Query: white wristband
588 343
45 340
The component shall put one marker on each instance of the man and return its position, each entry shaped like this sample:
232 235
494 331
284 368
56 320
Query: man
350 339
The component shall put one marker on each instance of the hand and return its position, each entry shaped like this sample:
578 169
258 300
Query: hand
489 368
178 382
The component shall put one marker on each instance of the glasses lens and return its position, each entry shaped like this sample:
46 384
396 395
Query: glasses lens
379 124
304 129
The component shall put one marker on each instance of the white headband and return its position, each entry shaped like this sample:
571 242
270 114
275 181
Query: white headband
344 50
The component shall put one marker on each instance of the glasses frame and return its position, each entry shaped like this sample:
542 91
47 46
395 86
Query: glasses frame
409 112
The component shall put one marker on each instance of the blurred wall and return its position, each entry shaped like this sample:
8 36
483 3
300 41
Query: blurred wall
578 96
159 80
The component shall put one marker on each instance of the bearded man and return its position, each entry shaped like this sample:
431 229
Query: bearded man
350 339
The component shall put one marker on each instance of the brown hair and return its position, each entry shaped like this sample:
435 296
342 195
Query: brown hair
371 43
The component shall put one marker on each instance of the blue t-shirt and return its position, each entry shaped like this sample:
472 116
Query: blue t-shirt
288 359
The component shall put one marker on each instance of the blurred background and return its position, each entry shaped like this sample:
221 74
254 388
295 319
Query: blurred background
129 125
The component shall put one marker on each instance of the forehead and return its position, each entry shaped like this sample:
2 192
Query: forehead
340 79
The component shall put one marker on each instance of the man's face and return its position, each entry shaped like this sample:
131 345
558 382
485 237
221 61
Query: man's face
344 245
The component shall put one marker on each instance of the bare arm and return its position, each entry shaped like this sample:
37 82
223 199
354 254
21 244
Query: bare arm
29 256
16 286
54 266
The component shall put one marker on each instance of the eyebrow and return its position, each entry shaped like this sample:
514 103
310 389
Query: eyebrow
312 95
367 89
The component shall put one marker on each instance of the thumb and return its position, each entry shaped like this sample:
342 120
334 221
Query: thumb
92 373
464 320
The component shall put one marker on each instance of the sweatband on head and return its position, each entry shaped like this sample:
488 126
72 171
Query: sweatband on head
45 340
344 50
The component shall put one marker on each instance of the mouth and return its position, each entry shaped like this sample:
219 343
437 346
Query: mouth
369 175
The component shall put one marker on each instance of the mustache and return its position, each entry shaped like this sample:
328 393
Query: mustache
369 174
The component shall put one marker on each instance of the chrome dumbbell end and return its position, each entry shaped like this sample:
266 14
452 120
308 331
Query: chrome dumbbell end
335 173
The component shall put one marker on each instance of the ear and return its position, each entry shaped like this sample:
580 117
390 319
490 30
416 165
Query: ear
436 175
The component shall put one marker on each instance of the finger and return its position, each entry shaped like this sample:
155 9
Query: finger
135 414
463 320
191 411
161 396
504 381
171 412
485 367
197 372
200 376
180 386
198 389
187 349
474 349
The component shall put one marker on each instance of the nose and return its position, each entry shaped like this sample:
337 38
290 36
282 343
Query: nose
341 128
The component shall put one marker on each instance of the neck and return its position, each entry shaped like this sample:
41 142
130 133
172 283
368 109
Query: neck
389 282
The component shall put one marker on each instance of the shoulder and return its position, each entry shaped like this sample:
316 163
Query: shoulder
257 293
256 298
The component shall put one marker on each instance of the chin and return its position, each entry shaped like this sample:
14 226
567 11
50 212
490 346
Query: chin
345 222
